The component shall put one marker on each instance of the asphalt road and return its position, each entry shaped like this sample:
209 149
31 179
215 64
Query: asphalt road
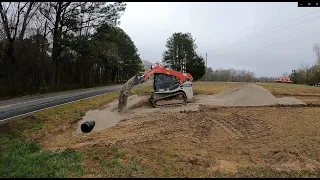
20 106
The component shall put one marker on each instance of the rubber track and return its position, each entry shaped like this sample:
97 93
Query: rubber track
154 102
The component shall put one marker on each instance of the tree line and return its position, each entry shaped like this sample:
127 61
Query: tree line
47 46
308 74
57 45
233 75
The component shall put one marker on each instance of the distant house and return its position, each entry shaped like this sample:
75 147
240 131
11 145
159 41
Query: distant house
283 80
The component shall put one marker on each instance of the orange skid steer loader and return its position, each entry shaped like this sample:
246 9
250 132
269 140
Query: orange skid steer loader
170 87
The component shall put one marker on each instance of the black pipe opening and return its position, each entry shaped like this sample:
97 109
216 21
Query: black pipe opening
87 126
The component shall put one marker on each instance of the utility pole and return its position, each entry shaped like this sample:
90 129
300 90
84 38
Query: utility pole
206 67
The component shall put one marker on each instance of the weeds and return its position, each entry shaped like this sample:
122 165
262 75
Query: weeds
27 160
246 152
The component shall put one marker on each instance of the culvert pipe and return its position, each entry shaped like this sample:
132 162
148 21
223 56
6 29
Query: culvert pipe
87 126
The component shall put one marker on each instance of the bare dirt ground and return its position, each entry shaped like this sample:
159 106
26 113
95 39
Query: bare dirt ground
204 138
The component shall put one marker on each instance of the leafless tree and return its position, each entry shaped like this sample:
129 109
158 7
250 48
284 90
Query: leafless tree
15 17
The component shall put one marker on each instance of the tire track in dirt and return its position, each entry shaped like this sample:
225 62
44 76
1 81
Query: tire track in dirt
239 126
252 128
204 127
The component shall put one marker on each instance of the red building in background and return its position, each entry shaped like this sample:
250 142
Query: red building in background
283 80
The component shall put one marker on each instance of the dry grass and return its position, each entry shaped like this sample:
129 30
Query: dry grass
142 90
62 118
277 89
290 89
181 145
214 87
274 88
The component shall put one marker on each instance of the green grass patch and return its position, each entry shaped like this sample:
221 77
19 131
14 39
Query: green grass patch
20 156
28 160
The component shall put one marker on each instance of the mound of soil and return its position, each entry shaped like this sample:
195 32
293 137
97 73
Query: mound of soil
248 95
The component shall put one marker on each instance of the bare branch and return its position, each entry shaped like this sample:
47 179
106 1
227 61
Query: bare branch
88 21
75 7
24 25
65 5
34 12
8 7
48 18
23 6
5 22
17 23
63 16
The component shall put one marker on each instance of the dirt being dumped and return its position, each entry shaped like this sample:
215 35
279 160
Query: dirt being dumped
248 95
125 91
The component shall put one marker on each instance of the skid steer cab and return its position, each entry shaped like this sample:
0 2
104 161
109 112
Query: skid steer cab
171 88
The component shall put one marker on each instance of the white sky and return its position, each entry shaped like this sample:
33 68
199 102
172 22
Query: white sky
216 24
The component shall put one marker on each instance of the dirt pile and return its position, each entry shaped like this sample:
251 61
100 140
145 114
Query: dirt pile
248 95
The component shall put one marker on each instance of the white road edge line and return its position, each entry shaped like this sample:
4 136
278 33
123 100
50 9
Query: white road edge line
3 120
79 93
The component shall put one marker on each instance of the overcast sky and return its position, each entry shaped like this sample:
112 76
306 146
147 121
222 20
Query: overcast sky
221 28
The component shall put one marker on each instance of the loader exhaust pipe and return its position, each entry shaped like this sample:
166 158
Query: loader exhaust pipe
87 126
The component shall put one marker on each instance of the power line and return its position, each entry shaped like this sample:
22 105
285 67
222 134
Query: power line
286 27
274 26
286 35
288 21
268 29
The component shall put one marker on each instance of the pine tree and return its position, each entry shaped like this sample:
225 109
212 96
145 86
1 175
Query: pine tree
181 55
